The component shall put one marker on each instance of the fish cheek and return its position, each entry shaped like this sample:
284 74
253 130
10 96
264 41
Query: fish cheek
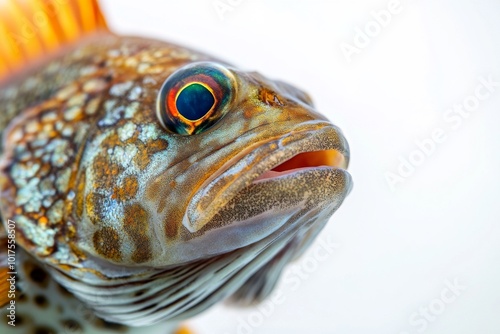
107 243
80 198
136 225
127 190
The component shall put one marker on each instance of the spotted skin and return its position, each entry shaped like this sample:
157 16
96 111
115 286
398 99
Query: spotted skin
44 306
41 188
145 227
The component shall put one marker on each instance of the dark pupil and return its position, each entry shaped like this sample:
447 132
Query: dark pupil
194 101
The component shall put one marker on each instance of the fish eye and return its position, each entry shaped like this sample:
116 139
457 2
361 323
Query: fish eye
195 97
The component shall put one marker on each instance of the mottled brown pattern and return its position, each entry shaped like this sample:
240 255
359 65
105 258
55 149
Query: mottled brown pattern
49 306
105 172
270 97
136 225
59 115
145 151
80 196
171 229
154 188
100 190
107 243
45 140
95 204
127 190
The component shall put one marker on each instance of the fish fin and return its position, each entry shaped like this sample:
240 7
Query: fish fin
183 330
262 283
30 29
4 287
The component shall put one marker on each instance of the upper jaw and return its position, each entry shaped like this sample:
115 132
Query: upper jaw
253 165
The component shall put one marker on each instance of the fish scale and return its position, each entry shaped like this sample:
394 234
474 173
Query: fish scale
45 138
129 223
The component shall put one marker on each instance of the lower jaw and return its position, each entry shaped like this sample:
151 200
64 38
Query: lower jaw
273 174
313 150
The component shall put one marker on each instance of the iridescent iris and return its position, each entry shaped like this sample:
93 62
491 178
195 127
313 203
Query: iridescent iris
195 97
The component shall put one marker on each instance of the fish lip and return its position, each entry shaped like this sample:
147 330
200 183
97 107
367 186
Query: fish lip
247 166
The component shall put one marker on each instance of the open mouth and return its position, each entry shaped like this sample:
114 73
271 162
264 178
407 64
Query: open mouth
315 146
306 160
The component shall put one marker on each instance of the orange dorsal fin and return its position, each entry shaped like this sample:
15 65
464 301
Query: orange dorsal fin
30 29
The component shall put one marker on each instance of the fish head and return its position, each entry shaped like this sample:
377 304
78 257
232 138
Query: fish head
177 180
153 181
252 164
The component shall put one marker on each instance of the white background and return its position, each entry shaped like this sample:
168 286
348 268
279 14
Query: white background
396 248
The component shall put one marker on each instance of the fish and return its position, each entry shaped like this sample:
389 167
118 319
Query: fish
143 182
